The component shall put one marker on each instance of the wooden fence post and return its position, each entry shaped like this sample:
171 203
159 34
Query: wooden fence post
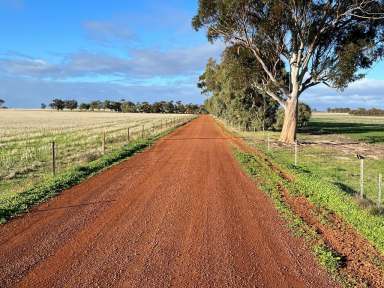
379 191
362 178
128 135
142 132
53 158
103 142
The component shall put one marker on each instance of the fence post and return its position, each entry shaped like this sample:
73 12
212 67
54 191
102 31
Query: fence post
361 178
379 191
128 135
296 152
142 132
103 142
53 158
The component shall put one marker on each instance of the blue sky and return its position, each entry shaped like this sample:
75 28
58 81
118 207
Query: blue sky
137 50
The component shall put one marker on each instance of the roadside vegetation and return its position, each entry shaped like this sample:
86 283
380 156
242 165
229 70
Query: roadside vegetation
27 137
327 176
328 147
231 94
14 202
317 225
268 181
286 48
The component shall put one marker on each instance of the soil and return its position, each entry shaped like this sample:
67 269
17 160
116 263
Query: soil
180 214
361 261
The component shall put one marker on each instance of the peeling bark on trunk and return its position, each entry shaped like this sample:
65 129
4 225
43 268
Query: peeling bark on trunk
288 133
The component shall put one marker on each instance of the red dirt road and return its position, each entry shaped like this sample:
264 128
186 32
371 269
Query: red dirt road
181 214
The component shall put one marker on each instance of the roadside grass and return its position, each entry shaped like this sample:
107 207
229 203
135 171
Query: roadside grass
328 149
334 199
328 175
268 182
15 203
26 140
310 183
333 166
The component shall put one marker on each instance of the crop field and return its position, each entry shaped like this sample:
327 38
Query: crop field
26 140
328 148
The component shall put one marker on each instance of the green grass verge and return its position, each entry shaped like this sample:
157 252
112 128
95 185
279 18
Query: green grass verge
17 203
268 181
334 199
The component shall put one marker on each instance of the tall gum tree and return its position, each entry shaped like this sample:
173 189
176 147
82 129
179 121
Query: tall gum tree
329 42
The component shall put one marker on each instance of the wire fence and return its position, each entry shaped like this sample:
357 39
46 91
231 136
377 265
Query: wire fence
25 164
355 168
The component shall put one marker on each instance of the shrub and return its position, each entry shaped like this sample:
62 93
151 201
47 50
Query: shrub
304 115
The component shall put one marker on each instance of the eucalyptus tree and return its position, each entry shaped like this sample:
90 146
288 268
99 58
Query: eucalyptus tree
298 44
232 95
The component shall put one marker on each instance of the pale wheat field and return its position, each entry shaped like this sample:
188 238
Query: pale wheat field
26 138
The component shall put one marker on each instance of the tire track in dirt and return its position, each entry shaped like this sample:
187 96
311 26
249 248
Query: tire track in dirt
181 214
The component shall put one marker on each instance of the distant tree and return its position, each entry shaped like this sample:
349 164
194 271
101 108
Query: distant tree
1 102
107 104
145 107
70 104
367 112
169 107
57 104
115 106
298 44
96 105
157 107
85 106
339 110
180 108
43 106
128 107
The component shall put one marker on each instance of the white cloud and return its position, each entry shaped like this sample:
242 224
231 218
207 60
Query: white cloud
364 93
142 63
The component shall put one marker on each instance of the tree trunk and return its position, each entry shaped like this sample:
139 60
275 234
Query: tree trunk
288 133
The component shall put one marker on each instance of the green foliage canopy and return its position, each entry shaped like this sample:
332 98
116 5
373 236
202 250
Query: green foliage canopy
321 41
232 95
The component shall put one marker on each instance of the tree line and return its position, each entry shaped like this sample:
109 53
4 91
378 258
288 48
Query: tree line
128 106
339 110
358 112
289 47
231 94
